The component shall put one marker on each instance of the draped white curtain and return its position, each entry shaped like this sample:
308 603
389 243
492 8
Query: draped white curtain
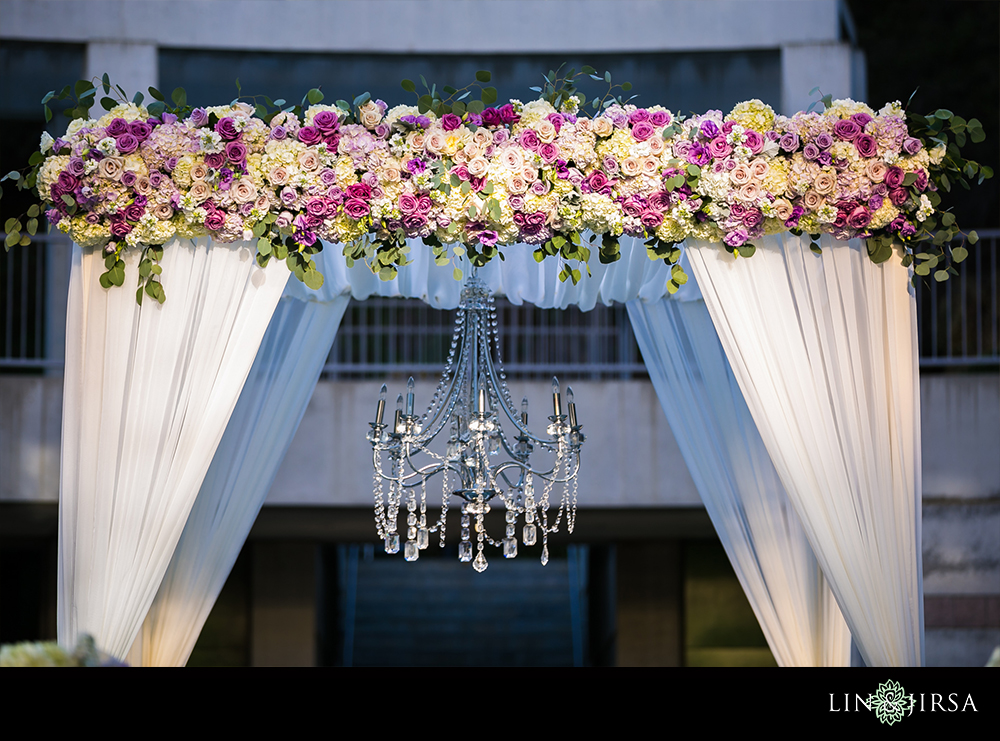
824 350
275 397
147 394
737 482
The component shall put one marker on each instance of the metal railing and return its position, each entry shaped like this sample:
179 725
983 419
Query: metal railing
958 326
958 321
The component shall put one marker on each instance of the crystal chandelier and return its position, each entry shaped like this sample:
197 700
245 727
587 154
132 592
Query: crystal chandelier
470 402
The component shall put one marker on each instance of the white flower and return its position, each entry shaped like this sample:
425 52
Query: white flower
46 143
926 209
108 147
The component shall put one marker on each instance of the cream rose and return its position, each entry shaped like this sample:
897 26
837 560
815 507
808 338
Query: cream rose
111 168
546 131
435 141
749 192
631 166
650 165
143 186
825 182
740 175
602 126
415 140
512 159
243 190
782 209
759 168
199 191
655 145
875 170
199 171
163 211
278 175
478 167
370 115
812 200
308 159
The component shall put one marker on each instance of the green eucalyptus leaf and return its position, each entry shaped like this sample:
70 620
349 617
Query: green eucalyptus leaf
313 279
947 218
973 237
409 86
958 254
314 96
105 280
940 275
108 103
33 210
483 76
179 97
489 95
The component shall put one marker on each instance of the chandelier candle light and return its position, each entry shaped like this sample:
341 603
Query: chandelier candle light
468 402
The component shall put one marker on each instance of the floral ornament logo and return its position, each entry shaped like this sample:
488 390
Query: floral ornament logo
890 702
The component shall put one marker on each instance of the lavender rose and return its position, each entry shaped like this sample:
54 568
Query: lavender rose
846 129
866 145
117 127
911 145
642 130
226 128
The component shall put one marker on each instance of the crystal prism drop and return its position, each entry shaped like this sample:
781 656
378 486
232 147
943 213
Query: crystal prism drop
545 554
511 530
423 538
480 563
510 547
465 551
411 552
411 533
529 535
392 543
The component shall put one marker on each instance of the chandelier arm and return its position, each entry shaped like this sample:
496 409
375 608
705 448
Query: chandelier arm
444 411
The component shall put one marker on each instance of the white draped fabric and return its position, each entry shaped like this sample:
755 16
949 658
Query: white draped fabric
824 349
517 276
147 394
260 431
737 482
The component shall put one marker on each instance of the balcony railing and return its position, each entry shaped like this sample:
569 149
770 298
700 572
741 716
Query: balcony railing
958 324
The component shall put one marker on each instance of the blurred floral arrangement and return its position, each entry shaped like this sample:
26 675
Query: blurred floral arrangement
468 177
50 653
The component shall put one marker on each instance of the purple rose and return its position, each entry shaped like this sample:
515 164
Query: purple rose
866 145
140 130
638 115
898 196
309 135
810 151
317 207
450 121
288 195
134 212
356 208
752 218
907 230
633 206
660 200
215 160
226 128
549 153
556 119
360 191
279 133
861 118
492 117
651 219
67 182
754 141
407 203
128 178
424 204
789 142
846 129
659 118
824 141
198 117
921 181
597 181
414 222
642 130
236 152
507 114
117 127
859 218
875 202
126 143
119 228
170 164
736 238
529 139
894 177
155 178
911 146
824 158
326 121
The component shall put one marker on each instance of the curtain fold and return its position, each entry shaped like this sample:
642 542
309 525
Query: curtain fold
737 482
824 350
147 394
260 431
